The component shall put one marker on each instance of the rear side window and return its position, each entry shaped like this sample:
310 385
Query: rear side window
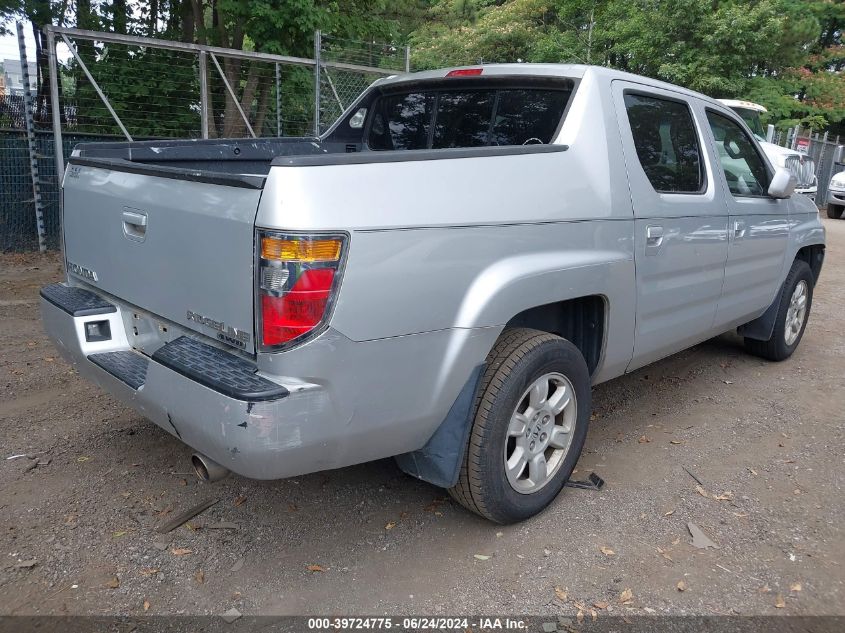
744 169
666 143
442 118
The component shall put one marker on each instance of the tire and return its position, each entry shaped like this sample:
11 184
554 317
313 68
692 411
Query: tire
524 358
834 211
781 344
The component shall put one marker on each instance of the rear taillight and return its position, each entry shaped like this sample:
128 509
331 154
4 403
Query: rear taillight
298 278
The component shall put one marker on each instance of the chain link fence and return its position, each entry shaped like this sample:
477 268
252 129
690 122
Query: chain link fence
339 88
112 87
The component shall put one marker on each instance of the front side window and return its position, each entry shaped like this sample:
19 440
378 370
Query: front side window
744 169
666 143
471 117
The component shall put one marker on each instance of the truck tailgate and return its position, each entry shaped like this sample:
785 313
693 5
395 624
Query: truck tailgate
178 245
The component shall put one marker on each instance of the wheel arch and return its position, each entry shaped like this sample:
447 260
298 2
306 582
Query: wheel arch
580 320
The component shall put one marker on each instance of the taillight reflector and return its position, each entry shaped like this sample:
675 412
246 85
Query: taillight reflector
465 72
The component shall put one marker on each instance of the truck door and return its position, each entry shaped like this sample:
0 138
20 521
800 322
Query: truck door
758 225
680 220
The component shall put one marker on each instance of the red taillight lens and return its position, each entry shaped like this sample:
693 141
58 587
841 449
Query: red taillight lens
298 311
297 278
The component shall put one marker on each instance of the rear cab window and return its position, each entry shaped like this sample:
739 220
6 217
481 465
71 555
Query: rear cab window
468 113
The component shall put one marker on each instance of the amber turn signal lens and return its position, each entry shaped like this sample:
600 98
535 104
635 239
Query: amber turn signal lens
300 250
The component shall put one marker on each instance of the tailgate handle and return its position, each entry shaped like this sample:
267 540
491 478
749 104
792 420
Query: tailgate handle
134 225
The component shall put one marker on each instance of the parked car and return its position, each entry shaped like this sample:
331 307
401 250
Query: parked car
802 166
836 196
441 277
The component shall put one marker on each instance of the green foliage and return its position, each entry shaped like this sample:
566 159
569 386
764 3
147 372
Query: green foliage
786 54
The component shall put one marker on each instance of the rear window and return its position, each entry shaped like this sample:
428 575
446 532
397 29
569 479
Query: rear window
477 117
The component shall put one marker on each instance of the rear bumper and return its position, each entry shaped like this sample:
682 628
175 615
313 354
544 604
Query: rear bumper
226 428
345 403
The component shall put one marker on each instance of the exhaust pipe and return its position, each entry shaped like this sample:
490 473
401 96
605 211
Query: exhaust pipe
207 469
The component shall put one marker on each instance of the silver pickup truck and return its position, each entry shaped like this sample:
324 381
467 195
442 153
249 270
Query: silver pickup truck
441 277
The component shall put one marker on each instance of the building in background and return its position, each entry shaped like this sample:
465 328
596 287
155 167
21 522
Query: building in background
13 76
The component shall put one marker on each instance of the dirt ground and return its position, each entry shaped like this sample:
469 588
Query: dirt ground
766 441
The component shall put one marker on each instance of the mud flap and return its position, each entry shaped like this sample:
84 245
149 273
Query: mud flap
760 329
439 461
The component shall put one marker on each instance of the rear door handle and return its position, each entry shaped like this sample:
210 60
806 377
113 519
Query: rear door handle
738 230
653 239
134 224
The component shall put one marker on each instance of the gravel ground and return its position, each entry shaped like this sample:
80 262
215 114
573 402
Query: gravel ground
766 440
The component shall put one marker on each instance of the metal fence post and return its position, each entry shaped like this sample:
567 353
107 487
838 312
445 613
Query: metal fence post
203 70
318 44
56 114
30 142
407 59
278 100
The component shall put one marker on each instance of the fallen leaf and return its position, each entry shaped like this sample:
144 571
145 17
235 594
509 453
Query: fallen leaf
780 603
643 439
315 568
239 501
581 606
700 490
580 617
676 442
561 594
593 614
601 605
84 458
481 556
390 525
119 533
699 539
796 586
292 507
676 541
146 605
199 576
607 551
668 514
181 551
752 471
682 586
149 571
627 596
725 496
114 583
764 589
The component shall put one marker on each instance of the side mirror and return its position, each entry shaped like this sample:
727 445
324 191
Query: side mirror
783 183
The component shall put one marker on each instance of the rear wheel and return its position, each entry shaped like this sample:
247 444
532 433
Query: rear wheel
795 302
834 211
530 424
